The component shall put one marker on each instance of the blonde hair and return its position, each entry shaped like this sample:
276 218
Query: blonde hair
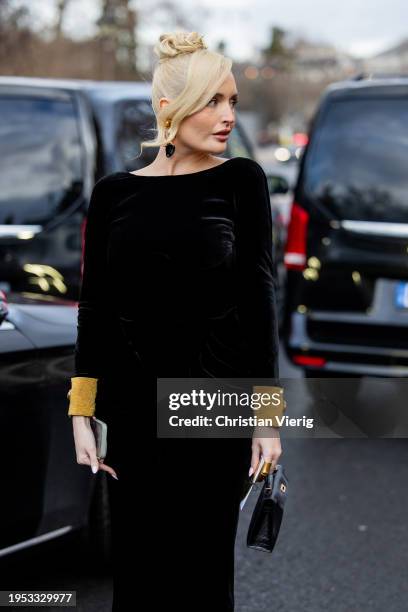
189 75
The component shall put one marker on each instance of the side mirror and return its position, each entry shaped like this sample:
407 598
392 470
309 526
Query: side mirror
277 184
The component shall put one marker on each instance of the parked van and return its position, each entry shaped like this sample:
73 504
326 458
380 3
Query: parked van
347 247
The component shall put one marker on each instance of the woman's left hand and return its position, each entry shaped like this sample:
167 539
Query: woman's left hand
265 442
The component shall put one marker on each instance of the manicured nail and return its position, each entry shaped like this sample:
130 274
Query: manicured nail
251 469
94 469
113 476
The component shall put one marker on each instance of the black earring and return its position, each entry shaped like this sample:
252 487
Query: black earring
170 148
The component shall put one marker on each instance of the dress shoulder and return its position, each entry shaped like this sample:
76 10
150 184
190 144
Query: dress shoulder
247 166
109 178
249 176
247 169
101 194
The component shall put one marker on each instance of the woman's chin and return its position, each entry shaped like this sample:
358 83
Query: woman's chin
218 147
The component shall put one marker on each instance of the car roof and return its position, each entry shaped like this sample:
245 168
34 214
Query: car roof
369 83
106 89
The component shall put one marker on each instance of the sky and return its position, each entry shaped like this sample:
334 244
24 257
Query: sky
359 27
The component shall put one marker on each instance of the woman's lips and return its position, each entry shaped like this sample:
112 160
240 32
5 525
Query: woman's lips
221 137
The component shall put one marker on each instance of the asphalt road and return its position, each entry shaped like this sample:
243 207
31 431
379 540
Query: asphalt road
343 544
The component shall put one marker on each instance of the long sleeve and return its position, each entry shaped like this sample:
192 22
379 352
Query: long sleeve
92 307
256 277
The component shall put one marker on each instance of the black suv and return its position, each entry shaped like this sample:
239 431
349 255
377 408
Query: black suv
347 246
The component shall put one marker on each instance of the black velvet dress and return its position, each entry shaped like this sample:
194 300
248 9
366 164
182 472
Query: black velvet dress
178 281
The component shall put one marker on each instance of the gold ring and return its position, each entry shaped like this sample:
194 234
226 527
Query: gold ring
266 468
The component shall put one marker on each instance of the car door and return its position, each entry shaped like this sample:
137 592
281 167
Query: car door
24 435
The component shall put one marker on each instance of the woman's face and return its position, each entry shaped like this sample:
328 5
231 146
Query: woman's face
198 131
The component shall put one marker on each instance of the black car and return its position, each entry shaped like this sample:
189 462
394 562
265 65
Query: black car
347 247
45 495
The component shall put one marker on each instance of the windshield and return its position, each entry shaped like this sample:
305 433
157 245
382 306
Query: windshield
357 163
41 165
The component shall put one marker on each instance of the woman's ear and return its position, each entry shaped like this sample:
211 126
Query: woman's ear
163 102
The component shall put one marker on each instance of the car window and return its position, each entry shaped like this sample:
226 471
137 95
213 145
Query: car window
41 158
357 162
136 122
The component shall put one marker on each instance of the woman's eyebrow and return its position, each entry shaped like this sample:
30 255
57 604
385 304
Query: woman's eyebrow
235 95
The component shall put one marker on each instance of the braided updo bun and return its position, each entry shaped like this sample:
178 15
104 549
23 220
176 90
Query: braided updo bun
175 43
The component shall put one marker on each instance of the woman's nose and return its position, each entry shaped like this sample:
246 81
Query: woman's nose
228 116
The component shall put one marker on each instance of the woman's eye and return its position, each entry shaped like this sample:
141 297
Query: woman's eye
234 102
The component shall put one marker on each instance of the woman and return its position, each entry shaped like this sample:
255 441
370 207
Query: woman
177 282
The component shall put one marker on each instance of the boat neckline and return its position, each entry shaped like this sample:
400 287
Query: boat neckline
185 174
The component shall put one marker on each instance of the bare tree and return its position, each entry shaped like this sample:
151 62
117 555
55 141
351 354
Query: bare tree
15 37
62 6
117 39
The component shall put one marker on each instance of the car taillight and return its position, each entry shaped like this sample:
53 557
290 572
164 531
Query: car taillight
309 360
295 249
83 226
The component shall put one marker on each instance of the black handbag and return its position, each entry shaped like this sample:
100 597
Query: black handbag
267 515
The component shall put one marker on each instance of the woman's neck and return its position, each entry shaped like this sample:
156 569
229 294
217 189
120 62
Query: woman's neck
182 162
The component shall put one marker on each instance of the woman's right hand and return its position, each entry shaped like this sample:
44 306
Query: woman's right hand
85 445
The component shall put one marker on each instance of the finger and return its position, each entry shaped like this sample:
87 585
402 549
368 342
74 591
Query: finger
254 460
110 470
106 468
269 456
94 461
